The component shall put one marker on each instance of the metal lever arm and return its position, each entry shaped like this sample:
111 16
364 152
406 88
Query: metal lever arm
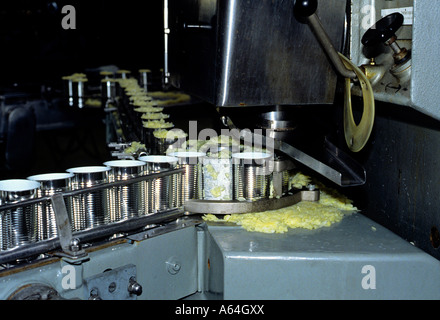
306 10
337 166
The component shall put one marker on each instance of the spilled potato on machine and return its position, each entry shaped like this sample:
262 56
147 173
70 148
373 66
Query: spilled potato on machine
331 208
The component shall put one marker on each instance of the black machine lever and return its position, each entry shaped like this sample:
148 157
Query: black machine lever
305 10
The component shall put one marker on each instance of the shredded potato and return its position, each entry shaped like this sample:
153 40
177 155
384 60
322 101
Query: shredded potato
154 116
157 124
148 109
134 147
169 134
331 208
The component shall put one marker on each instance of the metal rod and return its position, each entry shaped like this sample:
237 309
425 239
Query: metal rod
166 74
45 246
324 40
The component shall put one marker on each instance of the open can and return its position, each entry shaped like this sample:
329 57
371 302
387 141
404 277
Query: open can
17 226
89 209
252 175
191 185
218 175
50 183
128 200
161 192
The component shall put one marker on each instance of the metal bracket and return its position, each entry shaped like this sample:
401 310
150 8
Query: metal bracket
232 207
335 165
71 246
280 166
115 284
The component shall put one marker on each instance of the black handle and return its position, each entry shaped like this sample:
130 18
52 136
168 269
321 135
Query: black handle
383 30
305 8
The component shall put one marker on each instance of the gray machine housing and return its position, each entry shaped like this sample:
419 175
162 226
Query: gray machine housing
190 259
418 88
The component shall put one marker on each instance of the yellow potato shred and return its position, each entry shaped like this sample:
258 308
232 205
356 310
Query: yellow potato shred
134 147
330 209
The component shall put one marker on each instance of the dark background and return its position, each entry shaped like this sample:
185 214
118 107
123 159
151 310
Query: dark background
36 51
35 47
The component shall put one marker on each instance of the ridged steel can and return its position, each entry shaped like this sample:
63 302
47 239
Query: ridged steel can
252 175
50 183
161 192
17 226
129 200
89 209
191 183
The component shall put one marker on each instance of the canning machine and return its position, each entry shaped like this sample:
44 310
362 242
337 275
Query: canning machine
278 74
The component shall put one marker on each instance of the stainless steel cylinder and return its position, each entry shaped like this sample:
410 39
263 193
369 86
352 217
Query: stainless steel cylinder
162 193
129 200
79 92
68 89
108 92
17 226
93 208
252 175
50 183
191 184
144 74
217 178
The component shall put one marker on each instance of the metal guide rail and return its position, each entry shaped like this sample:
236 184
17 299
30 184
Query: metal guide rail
70 242
219 207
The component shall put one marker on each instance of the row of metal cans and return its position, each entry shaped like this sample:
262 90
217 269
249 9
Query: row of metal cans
202 177
30 223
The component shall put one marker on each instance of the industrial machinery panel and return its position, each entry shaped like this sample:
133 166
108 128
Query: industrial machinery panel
237 53
411 84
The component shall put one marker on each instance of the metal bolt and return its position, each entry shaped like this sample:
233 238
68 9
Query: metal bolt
173 267
134 287
75 245
224 120
176 267
94 294
112 287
